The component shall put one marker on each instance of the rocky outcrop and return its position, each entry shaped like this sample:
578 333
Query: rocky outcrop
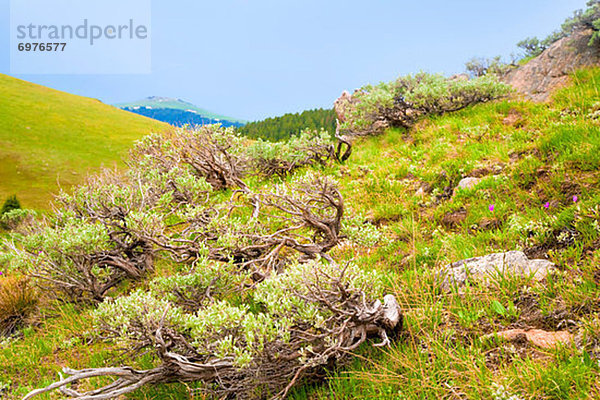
550 70
484 268
343 105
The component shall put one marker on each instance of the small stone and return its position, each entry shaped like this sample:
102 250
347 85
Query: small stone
467 183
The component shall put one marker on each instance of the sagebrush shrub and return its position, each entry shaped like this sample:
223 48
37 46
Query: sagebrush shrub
296 322
401 103
10 206
12 219
170 202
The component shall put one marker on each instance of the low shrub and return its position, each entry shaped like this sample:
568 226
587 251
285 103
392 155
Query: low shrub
484 66
12 219
401 103
11 205
18 301
307 317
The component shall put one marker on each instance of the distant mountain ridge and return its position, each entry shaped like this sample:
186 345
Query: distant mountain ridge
177 112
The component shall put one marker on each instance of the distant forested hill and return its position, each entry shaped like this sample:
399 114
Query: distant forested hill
177 112
279 128
179 117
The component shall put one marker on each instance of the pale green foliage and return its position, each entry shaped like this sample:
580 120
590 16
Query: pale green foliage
224 330
234 231
211 152
274 292
281 158
72 237
292 150
177 185
134 319
403 101
372 99
436 94
231 252
218 329
221 329
116 223
358 230
297 190
303 180
13 218
206 281
483 66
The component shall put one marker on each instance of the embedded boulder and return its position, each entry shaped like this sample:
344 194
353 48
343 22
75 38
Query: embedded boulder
511 263
467 183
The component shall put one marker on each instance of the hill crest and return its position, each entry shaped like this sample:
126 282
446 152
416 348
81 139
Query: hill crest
161 102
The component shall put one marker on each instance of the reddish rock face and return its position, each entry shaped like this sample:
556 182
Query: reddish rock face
540 76
538 337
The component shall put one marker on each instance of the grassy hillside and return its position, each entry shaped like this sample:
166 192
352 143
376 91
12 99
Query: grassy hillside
539 166
532 159
50 138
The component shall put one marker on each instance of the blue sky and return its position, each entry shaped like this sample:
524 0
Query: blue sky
255 59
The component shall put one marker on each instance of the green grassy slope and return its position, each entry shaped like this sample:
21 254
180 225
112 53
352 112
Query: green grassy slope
527 155
50 138
532 159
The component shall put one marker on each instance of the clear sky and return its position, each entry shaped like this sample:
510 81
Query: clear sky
253 59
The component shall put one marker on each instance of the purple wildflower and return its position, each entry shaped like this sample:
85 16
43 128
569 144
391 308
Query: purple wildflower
575 198
491 207
547 205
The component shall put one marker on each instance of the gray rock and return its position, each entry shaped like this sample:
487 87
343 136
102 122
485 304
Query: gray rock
484 268
467 183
